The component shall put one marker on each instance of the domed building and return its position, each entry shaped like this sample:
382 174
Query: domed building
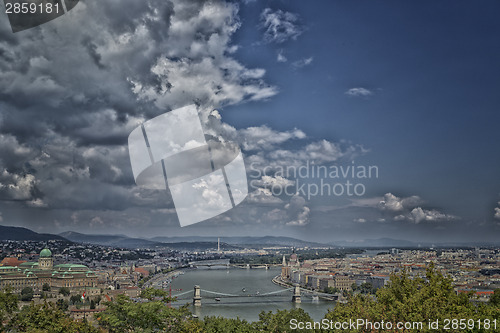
37 274
45 261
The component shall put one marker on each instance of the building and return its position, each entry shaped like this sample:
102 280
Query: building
376 281
287 269
37 274
11 261
343 282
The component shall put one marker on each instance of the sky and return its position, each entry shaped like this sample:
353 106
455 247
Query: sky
406 90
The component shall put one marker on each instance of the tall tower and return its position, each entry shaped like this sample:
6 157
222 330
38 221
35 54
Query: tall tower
45 261
218 245
285 270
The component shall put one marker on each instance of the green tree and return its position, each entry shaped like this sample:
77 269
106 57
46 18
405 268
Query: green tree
225 325
26 294
64 291
46 287
331 290
124 315
74 299
418 299
8 305
62 305
152 294
280 321
495 298
366 288
46 318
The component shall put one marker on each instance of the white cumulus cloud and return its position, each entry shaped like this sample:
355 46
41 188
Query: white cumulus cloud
359 92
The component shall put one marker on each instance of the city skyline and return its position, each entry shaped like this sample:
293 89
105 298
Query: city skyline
409 90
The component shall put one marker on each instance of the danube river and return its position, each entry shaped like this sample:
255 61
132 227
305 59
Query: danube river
246 284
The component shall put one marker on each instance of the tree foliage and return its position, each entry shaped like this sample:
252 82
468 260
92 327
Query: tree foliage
408 299
124 315
8 305
26 294
280 321
495 298
64 291
47 318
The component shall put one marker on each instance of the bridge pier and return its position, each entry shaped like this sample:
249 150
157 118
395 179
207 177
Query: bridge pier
296 294
197 296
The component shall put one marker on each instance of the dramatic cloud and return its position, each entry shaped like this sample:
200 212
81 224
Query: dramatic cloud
418 215
393 203
72 91
359 92
408 209
280 26
297 211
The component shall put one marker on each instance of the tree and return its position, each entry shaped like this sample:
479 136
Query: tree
366 288
331 290
225 325
8 304
419 299
47 318
92 304
124 315
64 291
495 298
46 287
280 321
74 299
62 305
26 294
152 294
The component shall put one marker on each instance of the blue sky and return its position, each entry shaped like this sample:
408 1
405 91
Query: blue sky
431 121
409 87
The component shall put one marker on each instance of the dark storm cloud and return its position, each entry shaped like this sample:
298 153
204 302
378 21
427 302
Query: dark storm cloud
72 90
92 50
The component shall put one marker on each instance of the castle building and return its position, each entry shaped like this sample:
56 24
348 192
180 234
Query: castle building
37 274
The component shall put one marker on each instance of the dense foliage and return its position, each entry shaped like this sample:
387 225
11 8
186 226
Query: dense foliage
408 299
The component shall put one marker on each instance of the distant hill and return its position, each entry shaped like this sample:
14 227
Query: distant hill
23 234
241 241
110 240
399 243
380 242
134 243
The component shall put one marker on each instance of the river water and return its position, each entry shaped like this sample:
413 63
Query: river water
243 283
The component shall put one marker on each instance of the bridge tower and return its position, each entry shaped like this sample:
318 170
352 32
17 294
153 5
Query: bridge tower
296 294
197 296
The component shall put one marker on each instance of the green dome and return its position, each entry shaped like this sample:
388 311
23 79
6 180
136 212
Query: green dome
45 253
